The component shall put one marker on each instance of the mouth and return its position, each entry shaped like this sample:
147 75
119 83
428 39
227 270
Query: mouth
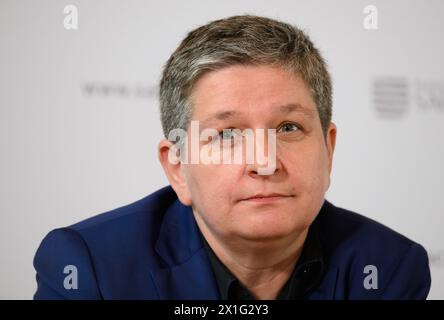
267 198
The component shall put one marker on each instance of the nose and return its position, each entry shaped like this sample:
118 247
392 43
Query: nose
264 160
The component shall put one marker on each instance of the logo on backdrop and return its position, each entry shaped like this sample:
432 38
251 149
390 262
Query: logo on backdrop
119 90
395 97
390 96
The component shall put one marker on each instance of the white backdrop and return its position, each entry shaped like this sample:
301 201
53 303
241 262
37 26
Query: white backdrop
80 124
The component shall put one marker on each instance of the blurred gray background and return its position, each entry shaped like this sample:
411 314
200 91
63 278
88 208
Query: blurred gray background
79 120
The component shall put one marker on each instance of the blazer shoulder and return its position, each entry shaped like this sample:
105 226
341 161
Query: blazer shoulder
149 207
112 252
345 228
355 244
60 256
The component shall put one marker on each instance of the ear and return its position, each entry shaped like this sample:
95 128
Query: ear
173 168
331 142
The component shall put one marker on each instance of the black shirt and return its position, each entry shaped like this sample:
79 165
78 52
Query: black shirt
304 278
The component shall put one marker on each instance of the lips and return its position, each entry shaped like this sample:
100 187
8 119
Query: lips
267 197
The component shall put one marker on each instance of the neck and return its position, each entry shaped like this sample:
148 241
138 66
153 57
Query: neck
263 267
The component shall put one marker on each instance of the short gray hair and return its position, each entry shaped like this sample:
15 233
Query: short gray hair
247 40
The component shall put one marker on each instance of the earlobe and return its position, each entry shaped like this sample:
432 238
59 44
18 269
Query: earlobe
173 169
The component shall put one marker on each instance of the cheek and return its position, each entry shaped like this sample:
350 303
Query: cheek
308 170
211 186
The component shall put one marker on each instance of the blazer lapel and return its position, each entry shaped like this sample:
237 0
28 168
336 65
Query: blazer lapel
187 273
327 288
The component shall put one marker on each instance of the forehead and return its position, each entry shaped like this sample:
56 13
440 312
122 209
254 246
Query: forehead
247 90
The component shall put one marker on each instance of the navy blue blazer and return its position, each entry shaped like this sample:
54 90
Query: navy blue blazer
151 249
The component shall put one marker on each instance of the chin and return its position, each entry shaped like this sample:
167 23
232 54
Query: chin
269 229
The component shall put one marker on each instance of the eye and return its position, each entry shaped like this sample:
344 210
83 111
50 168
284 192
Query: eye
289 127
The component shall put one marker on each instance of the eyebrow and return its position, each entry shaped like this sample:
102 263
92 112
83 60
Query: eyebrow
286 109
296 107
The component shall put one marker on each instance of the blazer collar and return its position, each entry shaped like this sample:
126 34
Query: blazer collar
187 273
